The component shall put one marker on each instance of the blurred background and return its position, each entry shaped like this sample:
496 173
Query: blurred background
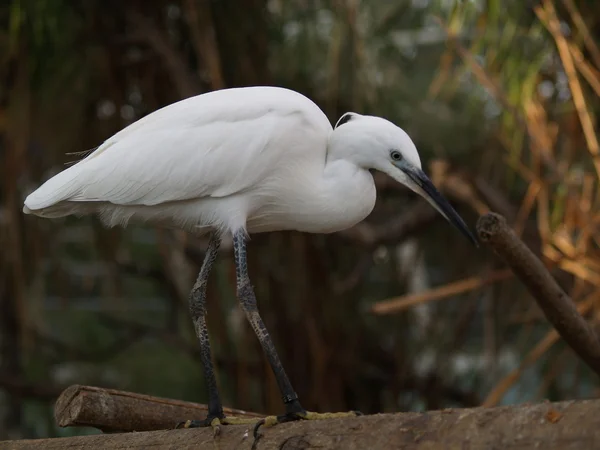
398 313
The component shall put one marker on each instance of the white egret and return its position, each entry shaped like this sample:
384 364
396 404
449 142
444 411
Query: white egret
240 161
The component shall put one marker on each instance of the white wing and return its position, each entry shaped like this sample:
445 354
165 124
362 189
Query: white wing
215 145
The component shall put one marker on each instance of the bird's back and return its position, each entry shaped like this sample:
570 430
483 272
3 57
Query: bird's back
226 105
214 145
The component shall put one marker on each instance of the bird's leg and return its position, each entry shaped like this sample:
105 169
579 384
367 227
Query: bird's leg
245 292
247 301
197 305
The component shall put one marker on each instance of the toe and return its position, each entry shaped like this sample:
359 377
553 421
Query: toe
208 422
238 421
271 421
324 416
188 424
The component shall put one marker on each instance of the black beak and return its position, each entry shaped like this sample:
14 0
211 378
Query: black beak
434 197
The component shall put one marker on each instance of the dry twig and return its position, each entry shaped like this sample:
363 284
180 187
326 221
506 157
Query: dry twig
459 287
547 15
588 39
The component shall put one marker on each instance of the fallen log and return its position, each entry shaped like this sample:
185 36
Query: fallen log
110 410
551 426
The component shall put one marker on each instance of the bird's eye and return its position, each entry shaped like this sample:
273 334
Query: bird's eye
396 155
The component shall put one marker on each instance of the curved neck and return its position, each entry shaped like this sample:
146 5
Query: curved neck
346 193
346 145
334 196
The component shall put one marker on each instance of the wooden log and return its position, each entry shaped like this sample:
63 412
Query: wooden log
111 410
552 426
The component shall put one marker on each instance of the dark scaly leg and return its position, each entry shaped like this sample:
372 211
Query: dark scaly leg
247 300
197 305
245 292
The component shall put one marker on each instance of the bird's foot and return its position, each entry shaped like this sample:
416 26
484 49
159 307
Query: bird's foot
271 421
215 423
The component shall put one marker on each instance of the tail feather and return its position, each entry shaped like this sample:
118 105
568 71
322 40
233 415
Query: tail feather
60 188
61 209
65 187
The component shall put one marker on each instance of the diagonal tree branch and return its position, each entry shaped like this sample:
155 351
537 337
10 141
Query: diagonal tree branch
557 306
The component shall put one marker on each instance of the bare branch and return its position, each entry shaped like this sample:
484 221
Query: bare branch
398 304
558 307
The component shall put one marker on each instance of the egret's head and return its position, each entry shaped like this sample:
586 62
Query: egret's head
375 143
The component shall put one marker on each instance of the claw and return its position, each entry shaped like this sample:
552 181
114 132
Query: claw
216 427
188 424
259 424
213 422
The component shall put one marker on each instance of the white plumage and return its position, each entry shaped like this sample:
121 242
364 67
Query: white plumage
240 161
259 158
